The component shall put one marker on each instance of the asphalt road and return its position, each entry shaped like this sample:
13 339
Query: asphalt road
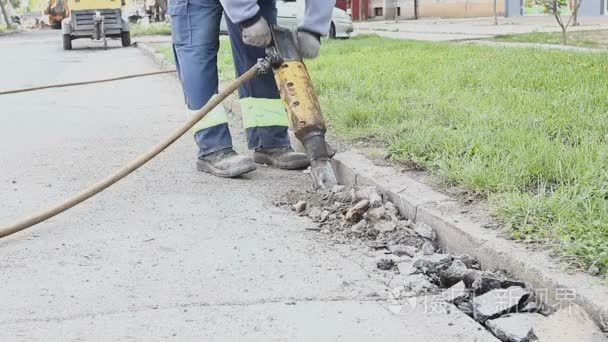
168 254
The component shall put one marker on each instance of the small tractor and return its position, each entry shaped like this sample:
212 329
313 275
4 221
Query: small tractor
97 20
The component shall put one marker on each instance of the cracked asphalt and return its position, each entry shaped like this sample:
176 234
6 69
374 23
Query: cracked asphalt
167 254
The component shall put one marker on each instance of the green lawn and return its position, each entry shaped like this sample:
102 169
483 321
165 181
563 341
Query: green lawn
589 39
525 128
152 29
36 5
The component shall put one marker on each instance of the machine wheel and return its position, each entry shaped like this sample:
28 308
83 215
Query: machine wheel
125 37
332 31
67 42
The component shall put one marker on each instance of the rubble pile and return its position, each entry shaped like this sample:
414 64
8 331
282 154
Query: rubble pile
410 251
359 214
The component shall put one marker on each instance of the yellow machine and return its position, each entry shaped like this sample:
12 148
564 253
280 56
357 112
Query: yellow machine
95 19
56 10
302 105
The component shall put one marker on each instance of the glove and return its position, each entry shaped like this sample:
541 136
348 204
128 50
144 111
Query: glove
256 32
308 44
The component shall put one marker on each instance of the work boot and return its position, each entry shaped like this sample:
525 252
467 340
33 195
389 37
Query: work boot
281 157
225 163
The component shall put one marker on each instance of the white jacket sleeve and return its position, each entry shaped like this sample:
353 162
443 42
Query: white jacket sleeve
317 16
240 10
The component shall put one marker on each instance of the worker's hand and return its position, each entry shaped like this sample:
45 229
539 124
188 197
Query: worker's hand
309 44
256 32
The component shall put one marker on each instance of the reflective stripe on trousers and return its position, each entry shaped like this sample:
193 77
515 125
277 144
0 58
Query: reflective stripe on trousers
195 31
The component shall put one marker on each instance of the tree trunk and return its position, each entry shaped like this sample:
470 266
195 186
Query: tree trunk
564 36
396 11
575 13
5 15
495 14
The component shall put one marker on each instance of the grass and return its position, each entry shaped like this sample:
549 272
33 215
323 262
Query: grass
35 5
588 39
166 50
152 29
525 128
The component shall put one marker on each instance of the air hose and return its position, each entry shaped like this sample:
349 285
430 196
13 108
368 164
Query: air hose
261 67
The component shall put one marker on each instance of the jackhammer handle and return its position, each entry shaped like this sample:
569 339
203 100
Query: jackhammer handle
135 163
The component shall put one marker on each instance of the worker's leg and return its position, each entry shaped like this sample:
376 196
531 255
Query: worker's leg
264 117
195 30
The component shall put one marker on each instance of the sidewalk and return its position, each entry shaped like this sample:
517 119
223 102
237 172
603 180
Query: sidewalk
465 29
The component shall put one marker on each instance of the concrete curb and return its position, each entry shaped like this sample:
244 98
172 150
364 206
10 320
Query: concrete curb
534 46
158 58
459 232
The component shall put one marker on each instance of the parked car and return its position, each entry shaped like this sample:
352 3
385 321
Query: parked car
290 12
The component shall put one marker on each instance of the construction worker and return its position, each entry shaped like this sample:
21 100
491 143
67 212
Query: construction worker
195 30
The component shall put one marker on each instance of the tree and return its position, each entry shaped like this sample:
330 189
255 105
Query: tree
15 3
495 14
555 7
5 15
575 14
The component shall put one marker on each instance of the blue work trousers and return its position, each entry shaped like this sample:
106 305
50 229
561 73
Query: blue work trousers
195 28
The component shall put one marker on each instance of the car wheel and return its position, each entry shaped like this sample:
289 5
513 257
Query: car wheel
332 31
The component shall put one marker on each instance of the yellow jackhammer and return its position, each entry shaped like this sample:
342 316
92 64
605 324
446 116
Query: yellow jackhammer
298 96
301 104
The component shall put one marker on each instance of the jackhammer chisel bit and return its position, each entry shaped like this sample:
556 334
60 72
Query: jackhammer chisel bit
301 104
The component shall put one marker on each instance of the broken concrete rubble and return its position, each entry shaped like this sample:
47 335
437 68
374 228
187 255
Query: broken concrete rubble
457 271
515 327
466 307
324 215
385 264
400 250
369 193
355 214
425 231
455 293
428 249
532 307
375 199
496 302
406 267
300 206
376 213
391 210
408 251
359 227
315 214
431 263
468 260
386 226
